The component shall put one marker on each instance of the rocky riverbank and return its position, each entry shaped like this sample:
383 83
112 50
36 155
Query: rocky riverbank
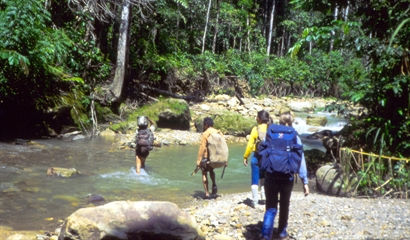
216 105
230 216
316 216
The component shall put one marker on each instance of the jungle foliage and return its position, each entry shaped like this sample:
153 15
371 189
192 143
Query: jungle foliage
351 50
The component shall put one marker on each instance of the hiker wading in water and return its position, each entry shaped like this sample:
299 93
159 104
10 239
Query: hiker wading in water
203 162
144 140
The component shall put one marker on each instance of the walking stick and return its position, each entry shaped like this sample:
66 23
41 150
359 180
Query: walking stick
195 171
223 172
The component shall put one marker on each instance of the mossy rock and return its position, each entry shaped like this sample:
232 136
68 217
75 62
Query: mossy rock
152 111
316 120
229 123
105 114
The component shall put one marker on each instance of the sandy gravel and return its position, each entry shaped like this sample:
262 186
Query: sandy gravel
316 216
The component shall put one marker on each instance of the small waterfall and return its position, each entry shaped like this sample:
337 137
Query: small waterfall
334 124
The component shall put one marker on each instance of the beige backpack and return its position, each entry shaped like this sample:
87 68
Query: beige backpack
218 151
261 137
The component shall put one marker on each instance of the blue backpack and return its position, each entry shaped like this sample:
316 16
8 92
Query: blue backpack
280 151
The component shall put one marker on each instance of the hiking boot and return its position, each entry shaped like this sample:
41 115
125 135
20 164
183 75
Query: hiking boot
255 194
283 234
214 190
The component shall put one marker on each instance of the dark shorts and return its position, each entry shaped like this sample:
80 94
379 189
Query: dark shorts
205 167
142 152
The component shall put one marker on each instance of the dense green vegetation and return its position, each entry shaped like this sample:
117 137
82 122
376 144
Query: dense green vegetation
58 58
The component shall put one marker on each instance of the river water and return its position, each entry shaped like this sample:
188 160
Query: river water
31 200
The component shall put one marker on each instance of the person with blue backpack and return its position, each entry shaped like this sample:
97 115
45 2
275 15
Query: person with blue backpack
281 158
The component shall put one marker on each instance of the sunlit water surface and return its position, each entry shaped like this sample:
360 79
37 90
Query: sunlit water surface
31 200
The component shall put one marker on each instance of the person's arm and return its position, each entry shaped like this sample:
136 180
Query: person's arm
136 138
251 145
202 148
152 124
303 171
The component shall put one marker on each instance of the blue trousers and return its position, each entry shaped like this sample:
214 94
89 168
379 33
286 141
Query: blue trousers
254 170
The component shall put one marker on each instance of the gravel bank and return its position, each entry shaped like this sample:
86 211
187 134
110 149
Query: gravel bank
316 216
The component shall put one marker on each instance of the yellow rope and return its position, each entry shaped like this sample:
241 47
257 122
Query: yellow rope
375 155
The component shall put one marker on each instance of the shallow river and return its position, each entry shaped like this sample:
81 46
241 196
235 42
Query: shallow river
31 200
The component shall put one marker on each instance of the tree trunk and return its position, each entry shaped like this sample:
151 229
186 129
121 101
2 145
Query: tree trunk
177 29
240 41
333 32
234 39
228 39
265 17
248 37
282 47
206 25
272 15
289 41
216 27
122 56
345 16
346 12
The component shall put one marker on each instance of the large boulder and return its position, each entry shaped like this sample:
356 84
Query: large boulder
301 106
130 220
316 120
175 119
108 134
329 180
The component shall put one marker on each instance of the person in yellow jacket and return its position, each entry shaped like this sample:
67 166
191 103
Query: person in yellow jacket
258 134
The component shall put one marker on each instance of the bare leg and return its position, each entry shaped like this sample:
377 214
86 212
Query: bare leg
205 183
137 164
142 162
212 175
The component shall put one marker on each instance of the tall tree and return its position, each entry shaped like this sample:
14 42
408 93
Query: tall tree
332 40
122 56
206 25
272 16
104 10
216 26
